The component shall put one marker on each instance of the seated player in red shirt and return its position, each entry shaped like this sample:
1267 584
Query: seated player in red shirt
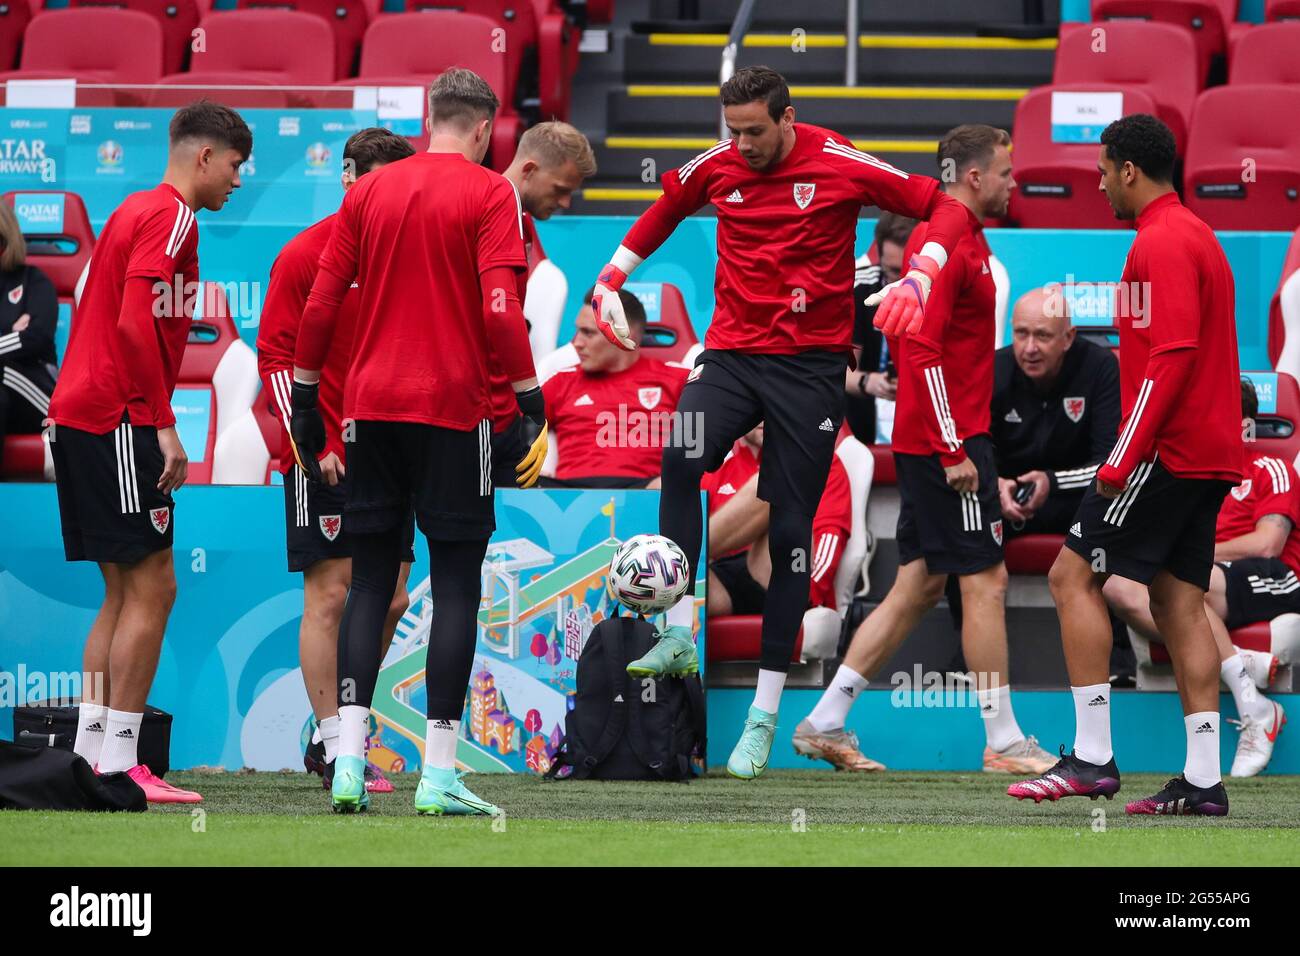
1256 555
613 412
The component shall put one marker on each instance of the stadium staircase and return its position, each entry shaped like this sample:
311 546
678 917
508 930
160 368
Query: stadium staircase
650 103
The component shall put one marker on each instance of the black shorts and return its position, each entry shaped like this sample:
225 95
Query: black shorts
1259 589
314 526
956 533
508 449
109 503
747 595
443 475
1159 522
800 400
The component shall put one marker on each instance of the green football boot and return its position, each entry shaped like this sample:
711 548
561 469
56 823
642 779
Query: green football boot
749 759
673 655
441 793
348 791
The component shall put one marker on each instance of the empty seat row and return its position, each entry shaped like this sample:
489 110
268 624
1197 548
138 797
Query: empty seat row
537 43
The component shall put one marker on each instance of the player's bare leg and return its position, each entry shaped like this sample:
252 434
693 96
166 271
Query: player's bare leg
1246 673
1178 610
821 735
984 644
92 714
718 603
325 591
1089 769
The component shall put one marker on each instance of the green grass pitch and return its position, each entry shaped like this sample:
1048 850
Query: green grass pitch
784 818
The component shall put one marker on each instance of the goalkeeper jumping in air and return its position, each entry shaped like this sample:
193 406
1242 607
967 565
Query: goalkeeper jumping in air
787 197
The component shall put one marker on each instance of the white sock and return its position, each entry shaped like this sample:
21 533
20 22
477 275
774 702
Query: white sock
354 727
682 614
833 709
1250 702
90 731
1000 728
328 732
1092 723
121 736
1202 767
440 744
767 696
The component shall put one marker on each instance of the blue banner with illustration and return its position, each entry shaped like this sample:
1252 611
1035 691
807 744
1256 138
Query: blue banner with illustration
229 670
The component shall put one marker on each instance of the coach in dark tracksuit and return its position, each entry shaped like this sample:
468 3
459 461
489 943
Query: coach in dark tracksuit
1054 418
29 312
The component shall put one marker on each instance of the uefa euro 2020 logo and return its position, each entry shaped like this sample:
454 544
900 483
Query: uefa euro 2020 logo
318 155
110 153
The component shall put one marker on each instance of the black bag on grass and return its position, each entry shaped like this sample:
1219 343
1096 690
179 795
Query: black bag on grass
46 778
625 728
54 724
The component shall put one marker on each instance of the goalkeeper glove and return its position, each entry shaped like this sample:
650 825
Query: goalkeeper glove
532 426
902 303
608 307
306 430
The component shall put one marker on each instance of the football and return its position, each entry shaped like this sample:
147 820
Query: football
648 574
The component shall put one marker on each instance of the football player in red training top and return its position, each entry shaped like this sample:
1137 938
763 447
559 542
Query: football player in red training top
435 244
787 196
950 518
317 536
549 166
1151 517
117 457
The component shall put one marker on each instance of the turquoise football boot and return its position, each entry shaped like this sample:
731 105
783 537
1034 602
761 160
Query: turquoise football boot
749 759
441 793
673 655
348 792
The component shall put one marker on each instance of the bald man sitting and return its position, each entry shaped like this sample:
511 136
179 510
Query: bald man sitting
1055 415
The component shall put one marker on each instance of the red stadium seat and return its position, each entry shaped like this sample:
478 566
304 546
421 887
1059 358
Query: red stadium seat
557 58
1032 553
1284 314
178 18
236 90
1155 57
218 383
1277 433
1269 53
736 637
516 18
347 19
884 458
1239 131
1275 10
61 250
412 49
671 337
1207 21
1252 637
13 21
69 44
1056 183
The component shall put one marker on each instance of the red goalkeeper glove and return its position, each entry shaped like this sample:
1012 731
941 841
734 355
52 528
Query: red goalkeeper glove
902 303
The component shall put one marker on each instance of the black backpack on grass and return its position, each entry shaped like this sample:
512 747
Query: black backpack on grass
628 728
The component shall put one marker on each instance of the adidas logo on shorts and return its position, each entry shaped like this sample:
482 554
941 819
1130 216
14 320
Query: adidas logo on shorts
827 426
1076 529
735 196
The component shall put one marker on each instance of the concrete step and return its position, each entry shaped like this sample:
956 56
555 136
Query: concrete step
874 15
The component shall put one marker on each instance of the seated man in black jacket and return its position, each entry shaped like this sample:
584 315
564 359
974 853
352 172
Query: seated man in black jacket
1055 415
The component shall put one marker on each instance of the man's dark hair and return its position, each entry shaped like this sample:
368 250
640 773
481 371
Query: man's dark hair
1144 141
754 83
461 97
891 227
206 120
1249 399
971 144
633 310
375 146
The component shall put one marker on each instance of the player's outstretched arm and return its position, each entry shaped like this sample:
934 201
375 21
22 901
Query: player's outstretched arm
901 304
681 197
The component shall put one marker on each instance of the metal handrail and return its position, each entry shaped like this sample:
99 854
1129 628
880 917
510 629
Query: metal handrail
739 27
